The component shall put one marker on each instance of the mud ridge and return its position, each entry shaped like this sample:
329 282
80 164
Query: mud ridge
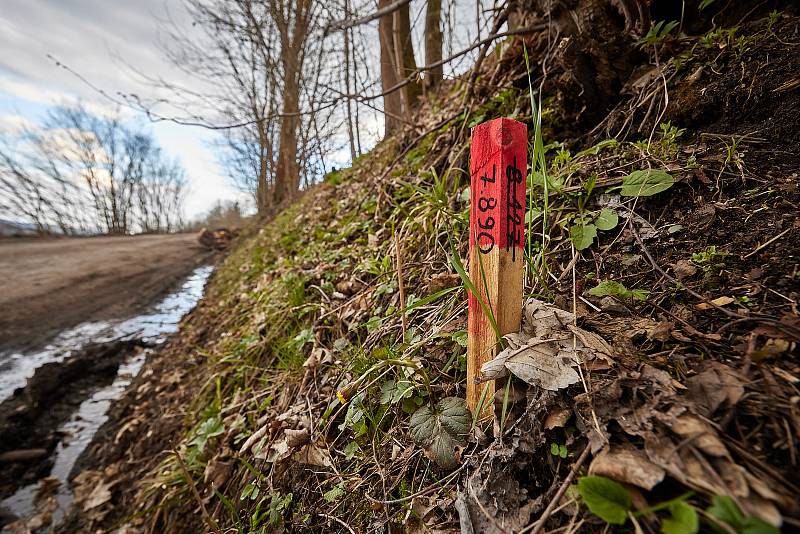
30 419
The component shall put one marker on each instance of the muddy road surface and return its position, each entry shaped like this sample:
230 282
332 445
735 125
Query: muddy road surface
47 285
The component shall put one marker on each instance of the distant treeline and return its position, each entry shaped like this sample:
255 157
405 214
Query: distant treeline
78 173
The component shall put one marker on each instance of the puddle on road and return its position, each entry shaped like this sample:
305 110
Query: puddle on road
16 368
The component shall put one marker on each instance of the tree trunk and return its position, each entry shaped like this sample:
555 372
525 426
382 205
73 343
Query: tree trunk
407 65
287 171
433 42
261 186
392 104
350 136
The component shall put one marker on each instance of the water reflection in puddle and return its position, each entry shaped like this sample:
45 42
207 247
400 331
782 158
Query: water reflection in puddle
16 368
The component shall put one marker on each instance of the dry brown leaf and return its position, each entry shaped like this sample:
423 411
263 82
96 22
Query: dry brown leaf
276 452
318 356
662 331
441 281
629 465
703 436
717 385
100 494
557 418
313 454
733 476
297 438
754 505
663 452
684 269
594 342
719 301
546 349
217 472
538 364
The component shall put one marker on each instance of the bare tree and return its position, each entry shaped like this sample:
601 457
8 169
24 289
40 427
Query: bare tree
79 173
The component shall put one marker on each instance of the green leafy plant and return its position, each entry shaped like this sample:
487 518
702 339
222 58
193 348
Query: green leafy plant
558 450
615 289
335 493
667 145
582 233
682 520
606 499
704 4
402 391
658 33
584 226
277 505
207 429
724 510
607 219
646 183
709 260
440 428
612 503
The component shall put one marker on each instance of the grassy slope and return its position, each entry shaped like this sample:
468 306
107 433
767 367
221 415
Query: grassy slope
303 315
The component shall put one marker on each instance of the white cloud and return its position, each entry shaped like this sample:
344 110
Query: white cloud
90 36
14 124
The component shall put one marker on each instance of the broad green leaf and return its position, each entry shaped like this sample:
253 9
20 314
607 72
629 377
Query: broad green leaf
532 214
208 429
606 499
607 219
582 235
683 519
440 428
646 183
756 525
387 392
393 392
554 449
724 509
615 289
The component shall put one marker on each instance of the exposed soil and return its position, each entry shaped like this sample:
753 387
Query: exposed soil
47 285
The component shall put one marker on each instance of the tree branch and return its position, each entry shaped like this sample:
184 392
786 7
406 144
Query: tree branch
344 24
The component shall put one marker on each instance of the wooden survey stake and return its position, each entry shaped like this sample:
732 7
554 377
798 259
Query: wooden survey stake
498 166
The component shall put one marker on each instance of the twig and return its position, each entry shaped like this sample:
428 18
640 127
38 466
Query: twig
398 250
464 520
211 523
430 489
340 25
557 497
345 525
760 247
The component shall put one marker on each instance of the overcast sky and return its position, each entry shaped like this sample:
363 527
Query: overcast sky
97 38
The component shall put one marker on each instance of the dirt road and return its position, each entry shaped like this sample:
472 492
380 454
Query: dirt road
47 285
